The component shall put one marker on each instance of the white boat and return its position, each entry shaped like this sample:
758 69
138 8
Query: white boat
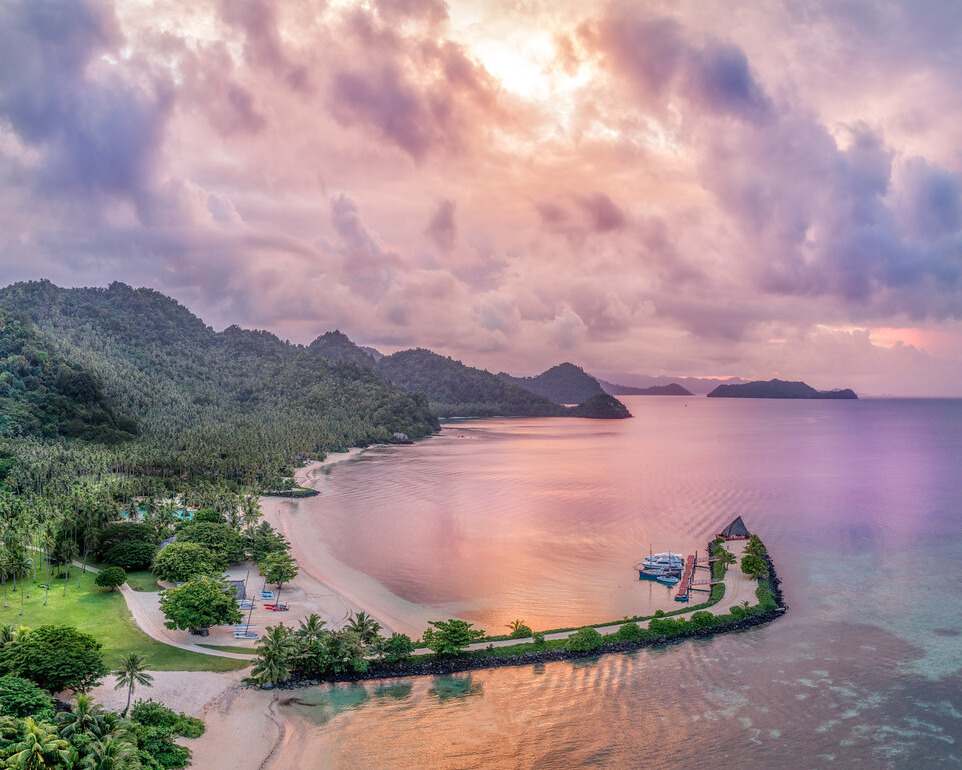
667 560
668 579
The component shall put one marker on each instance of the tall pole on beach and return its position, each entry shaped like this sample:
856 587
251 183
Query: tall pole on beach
248 629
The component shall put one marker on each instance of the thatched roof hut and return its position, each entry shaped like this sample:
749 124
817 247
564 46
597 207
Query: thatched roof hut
735 531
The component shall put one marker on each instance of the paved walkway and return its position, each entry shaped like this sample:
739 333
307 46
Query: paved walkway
144 607
739 588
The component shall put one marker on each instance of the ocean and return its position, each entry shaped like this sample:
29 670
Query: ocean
542 520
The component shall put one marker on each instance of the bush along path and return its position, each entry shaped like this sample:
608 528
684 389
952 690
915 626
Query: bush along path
587 642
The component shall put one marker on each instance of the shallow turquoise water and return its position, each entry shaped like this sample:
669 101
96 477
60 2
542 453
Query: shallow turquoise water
860 504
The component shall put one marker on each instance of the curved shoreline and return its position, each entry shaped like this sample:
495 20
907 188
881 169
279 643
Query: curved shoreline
250 731
459 664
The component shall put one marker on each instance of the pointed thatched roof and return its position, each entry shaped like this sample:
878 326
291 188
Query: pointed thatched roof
735 530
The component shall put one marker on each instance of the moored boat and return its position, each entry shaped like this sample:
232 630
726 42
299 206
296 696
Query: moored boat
665 560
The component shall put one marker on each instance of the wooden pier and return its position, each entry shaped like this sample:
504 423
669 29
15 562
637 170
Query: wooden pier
688 582
685 585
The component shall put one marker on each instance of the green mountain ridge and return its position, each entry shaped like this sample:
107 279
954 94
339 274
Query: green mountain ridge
457 390
44 396
562 384
211 402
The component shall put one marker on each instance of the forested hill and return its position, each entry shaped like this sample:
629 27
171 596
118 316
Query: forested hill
44 396
563 384
337 348
238 398
454 389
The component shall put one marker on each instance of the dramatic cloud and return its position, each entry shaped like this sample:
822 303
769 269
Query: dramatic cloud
674 187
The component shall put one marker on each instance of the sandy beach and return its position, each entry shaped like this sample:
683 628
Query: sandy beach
244 728
244 731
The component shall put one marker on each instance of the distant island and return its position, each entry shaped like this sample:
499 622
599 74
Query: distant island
672 389
778 389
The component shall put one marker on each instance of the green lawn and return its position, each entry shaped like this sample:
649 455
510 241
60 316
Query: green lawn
105 616
143 581
231 648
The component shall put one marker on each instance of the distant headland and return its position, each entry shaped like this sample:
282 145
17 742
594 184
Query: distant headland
778 389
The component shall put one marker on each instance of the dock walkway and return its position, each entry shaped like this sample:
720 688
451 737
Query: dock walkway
685 584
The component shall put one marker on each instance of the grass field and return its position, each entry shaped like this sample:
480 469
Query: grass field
143 581
105 616
231 648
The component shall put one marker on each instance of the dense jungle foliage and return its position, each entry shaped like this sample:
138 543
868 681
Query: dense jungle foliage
454 389
238 404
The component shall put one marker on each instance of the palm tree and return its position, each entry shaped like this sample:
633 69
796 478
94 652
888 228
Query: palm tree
131 672
20 565
109 754
40 748
312 628
364 626
68 551
275 650
85 716
4 571
251 510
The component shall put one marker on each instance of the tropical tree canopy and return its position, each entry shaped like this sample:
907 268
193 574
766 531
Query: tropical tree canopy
199 604
56 658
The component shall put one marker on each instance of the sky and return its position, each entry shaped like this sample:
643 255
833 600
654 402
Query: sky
752 189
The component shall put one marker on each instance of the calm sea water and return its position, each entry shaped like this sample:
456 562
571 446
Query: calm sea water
860 504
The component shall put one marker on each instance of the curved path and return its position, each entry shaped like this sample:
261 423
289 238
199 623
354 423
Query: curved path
739 588
311 594
144 608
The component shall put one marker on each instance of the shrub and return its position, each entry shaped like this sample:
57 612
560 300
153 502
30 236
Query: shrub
150 712
123 532
397 647
22 698
112 578
702 619
131 555
179 562
754 566
538 637
56 658
630 632
208 515
451 636
666 626
226 545
584 640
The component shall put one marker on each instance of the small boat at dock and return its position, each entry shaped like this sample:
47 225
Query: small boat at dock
658 565
670 580
666 560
